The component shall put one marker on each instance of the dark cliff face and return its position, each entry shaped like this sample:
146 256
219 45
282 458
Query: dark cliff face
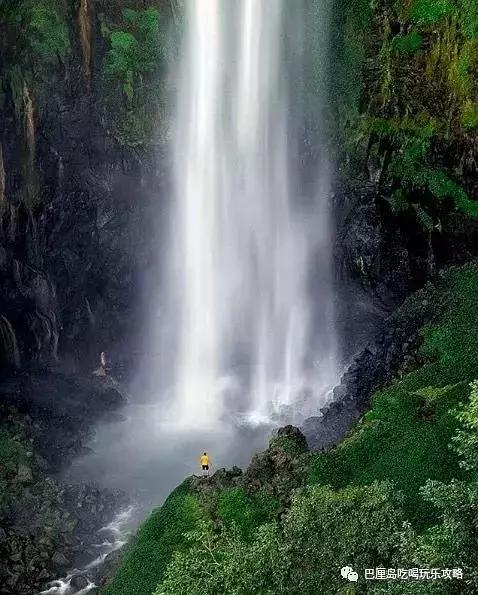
381 257
79 219
406 93
78 208
405 198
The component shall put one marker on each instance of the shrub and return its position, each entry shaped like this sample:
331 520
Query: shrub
134 51
410 141
12 452
219 563
323 530
48 32
430 12
407 44
468 17
405 437
470 115
130 74
236 508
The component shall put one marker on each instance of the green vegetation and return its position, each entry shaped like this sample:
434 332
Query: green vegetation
245 512
408 145
134 52
300 556
45 55
47 31
131 71
410 170
414 101
430 12
466 439
12 453
33 58
351 37
219 563
45 40
145 560
470 116
454 541
400 491
407 44
287 445
406 434
468 17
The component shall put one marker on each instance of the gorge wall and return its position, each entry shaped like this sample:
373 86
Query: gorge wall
406 92
83 160
84 126
78 178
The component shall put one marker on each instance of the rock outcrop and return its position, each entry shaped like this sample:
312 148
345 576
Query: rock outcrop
278 470
49 527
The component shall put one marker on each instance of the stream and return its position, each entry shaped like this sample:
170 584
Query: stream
147 457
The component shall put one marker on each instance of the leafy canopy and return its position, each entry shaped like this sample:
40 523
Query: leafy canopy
324 530
134 49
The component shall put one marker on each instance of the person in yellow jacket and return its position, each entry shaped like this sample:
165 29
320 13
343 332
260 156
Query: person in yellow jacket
205 463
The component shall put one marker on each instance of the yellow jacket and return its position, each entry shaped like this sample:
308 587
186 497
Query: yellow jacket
204 460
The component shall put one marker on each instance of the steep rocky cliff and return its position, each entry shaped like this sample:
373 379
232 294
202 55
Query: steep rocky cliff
79 180
82 159
406 203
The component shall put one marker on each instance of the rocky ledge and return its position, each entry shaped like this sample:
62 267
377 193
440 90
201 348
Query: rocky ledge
396 349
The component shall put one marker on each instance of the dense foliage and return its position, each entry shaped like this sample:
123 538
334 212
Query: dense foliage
164 533
399 492
32 57
323 529
405 436
131 73
415 113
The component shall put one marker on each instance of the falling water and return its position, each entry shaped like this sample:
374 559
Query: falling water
249 301
2 179
84 26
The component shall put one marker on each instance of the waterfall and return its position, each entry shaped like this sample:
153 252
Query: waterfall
29 122
2 179
84 26
247 310
8 341
30 144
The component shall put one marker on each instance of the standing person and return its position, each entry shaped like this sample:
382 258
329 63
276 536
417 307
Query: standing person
204 461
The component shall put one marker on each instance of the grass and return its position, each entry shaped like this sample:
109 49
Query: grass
145 560
405 437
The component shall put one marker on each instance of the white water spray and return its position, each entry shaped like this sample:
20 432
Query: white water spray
245 245
118 534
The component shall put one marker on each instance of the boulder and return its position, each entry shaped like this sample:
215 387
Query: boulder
58 559
79 582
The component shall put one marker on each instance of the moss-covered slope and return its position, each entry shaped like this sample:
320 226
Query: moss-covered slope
378 478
